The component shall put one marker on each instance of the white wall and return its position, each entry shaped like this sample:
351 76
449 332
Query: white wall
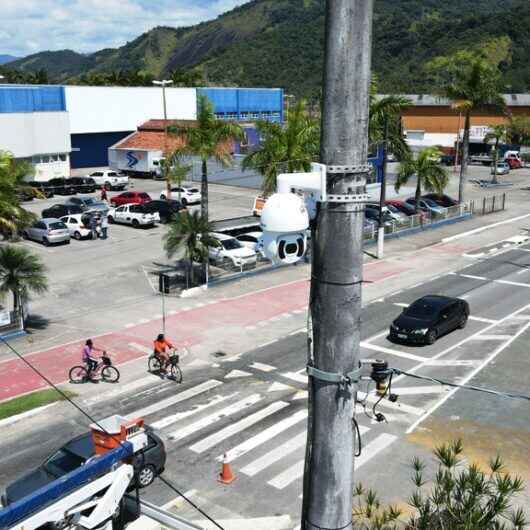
32 133
113 109
418 140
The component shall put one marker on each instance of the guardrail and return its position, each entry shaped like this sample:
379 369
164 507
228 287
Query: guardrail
495 203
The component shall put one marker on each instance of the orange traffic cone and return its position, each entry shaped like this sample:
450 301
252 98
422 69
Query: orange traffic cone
226 476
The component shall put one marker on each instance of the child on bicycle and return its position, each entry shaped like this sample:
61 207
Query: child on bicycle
161 347
87 358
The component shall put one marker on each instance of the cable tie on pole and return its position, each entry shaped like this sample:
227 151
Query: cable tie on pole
340 284
332 377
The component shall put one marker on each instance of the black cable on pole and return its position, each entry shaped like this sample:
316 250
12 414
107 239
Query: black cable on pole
95 422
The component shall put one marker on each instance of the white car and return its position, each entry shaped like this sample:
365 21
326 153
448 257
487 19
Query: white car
78 225
229 251
251 240
185 194
110 179
133 214
502 168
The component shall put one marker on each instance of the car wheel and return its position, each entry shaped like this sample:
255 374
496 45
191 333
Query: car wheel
184 201
145 476
431 336
162 197
135 223
463 322
45 242
67 242
110 219
77 236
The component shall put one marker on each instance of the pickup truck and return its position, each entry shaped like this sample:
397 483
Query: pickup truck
133 214
110 179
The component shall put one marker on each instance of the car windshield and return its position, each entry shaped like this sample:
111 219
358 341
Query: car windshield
421 309
112 174
56 226
144 196
137 208
431 203
193 190
63 462
231 244
90 200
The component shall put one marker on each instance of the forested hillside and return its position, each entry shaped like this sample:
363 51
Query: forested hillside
280 43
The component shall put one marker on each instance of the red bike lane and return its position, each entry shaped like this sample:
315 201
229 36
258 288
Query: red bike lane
192 327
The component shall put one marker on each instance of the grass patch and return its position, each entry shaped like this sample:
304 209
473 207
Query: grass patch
31 401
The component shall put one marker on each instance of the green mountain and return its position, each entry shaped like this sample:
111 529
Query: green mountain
280 43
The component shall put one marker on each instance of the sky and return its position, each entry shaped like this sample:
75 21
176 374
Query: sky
30 26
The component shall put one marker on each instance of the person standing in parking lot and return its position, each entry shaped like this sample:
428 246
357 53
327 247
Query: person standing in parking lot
104 226
103 194
94 226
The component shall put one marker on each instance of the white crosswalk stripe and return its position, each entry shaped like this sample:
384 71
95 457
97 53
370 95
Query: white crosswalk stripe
376 446
239 426
215 417
288 476
264 436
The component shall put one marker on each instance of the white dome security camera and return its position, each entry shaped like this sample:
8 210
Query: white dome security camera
284 221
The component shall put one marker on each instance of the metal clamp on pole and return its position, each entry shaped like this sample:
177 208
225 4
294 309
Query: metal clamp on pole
330 377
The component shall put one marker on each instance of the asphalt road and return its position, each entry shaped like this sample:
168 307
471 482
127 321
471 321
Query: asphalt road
252 407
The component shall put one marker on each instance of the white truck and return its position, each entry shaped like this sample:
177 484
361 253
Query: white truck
136 162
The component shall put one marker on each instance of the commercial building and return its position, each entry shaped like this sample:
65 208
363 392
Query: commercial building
62 127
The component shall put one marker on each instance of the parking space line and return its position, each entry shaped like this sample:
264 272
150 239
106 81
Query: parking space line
395 353
481 319
472 277
418 390
492 337
516 284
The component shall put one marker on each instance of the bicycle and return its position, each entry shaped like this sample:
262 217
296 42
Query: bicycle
155 366
109 373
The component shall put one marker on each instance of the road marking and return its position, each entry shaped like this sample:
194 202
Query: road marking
130 325
483 228
288 476
230 430
416 390
173 418
25 415
186 394
302 394
471 277
390 351
516 284
522 271
521 317
492 337
262 367
470 376
450 362
264 436
129 387
278 387
481 319
234 374
276 454
372 398
294 376
141 348
373 448
234 408
298 331
143 321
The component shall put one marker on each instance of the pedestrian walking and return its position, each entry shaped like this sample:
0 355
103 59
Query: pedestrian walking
104 226
94 226
103 194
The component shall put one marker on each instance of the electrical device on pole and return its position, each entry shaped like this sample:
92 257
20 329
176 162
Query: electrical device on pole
165 166
335 298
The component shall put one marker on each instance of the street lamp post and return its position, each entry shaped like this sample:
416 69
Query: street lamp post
163 84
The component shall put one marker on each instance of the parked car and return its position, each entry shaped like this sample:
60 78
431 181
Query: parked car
503 168
428 318
47 231
111 180
427 205
147 465
227 250
78 225
372 214
44 189
89 204
83 184
60 210
404 207
185 194
165 209
251 240
130 197
133 214
61 186
25 194
441 200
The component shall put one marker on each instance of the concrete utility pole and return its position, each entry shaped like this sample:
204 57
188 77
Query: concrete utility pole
165 167
335 299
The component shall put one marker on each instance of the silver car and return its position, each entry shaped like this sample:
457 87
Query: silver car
89 204
48 231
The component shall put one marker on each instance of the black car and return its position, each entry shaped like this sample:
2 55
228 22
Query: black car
82 184
25 194
428 318
61 186
75 453
441 200
372 214
165 209
43 189
60 210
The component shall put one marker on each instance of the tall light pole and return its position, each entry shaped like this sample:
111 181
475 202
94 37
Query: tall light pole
336 276
165 168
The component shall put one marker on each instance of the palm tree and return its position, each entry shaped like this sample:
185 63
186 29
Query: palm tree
21 273
188 237
175 170
429 174
290 147
518 129
497 134
208 138
473 83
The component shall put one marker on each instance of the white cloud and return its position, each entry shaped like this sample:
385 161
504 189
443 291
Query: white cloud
90 25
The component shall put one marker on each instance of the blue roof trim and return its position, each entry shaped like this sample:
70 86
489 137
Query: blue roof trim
15 99
39 499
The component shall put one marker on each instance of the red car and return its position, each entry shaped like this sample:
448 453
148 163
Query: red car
130 197
404 207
